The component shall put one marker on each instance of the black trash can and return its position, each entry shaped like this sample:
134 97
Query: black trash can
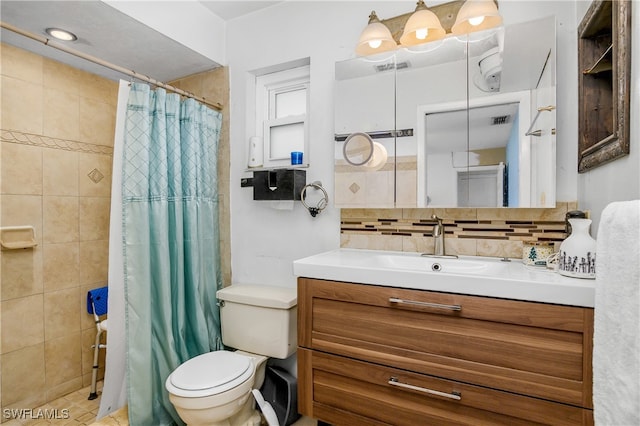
280 389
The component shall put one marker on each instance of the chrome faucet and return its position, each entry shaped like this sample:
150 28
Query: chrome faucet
438 236
438 239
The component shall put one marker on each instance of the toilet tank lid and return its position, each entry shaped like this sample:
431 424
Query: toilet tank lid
260 295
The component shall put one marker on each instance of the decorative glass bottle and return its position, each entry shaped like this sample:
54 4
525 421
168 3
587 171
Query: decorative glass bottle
577 257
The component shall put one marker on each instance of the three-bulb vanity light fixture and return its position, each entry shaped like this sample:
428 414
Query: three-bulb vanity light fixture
426 25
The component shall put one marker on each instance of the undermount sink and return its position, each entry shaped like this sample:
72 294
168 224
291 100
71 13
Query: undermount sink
473 275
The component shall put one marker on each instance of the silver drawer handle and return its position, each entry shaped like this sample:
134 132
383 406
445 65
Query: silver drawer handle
426 304
453 395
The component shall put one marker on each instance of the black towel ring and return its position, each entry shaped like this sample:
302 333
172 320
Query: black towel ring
321 204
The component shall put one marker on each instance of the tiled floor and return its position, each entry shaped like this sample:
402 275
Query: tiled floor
76 410
120 418
117 418
73 409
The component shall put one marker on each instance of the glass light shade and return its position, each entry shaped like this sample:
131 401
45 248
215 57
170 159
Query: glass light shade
375 38
421 20
473 10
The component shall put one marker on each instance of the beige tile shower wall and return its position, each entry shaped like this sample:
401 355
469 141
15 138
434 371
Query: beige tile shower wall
214 86
472 232
57 134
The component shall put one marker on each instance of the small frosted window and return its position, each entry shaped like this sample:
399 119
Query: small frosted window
284 139
293 102
282 115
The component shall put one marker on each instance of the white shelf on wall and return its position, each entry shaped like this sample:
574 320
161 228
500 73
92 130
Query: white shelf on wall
260 169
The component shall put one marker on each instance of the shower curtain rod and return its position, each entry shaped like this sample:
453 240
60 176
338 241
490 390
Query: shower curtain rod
98 61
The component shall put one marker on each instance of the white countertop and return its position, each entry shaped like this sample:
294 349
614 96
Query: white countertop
480 276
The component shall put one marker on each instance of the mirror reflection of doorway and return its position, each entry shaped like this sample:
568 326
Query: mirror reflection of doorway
481 187
461 146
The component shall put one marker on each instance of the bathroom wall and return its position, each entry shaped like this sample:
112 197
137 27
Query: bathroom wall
620 179
265 241
56 138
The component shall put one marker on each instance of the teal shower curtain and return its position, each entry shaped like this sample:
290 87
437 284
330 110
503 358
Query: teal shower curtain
171 243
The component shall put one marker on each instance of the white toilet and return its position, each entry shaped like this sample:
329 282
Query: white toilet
214 389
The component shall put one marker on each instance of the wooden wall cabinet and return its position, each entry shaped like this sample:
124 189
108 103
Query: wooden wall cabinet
604 61
374 355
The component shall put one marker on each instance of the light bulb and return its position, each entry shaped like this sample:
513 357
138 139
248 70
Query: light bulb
476 21
422 33
374 44
61 34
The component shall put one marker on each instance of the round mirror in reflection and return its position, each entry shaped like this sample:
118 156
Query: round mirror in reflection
358 149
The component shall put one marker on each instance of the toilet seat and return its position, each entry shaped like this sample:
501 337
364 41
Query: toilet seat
210 374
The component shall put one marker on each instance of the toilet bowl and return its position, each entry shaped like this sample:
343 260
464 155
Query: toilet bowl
214 389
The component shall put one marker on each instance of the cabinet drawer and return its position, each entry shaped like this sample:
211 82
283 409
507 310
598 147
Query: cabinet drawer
533 349
347 391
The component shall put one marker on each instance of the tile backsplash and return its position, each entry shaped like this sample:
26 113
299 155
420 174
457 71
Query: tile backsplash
473 232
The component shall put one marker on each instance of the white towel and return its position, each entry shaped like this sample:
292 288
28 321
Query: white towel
616 341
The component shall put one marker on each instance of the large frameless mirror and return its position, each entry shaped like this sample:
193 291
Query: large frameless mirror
466 122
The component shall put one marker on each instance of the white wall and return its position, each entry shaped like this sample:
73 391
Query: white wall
620 179
266 241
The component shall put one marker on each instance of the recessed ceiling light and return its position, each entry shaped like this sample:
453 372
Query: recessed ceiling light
61 34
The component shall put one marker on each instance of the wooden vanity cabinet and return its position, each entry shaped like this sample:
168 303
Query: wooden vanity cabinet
370 355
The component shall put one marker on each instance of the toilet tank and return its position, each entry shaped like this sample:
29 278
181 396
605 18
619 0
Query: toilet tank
259 319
